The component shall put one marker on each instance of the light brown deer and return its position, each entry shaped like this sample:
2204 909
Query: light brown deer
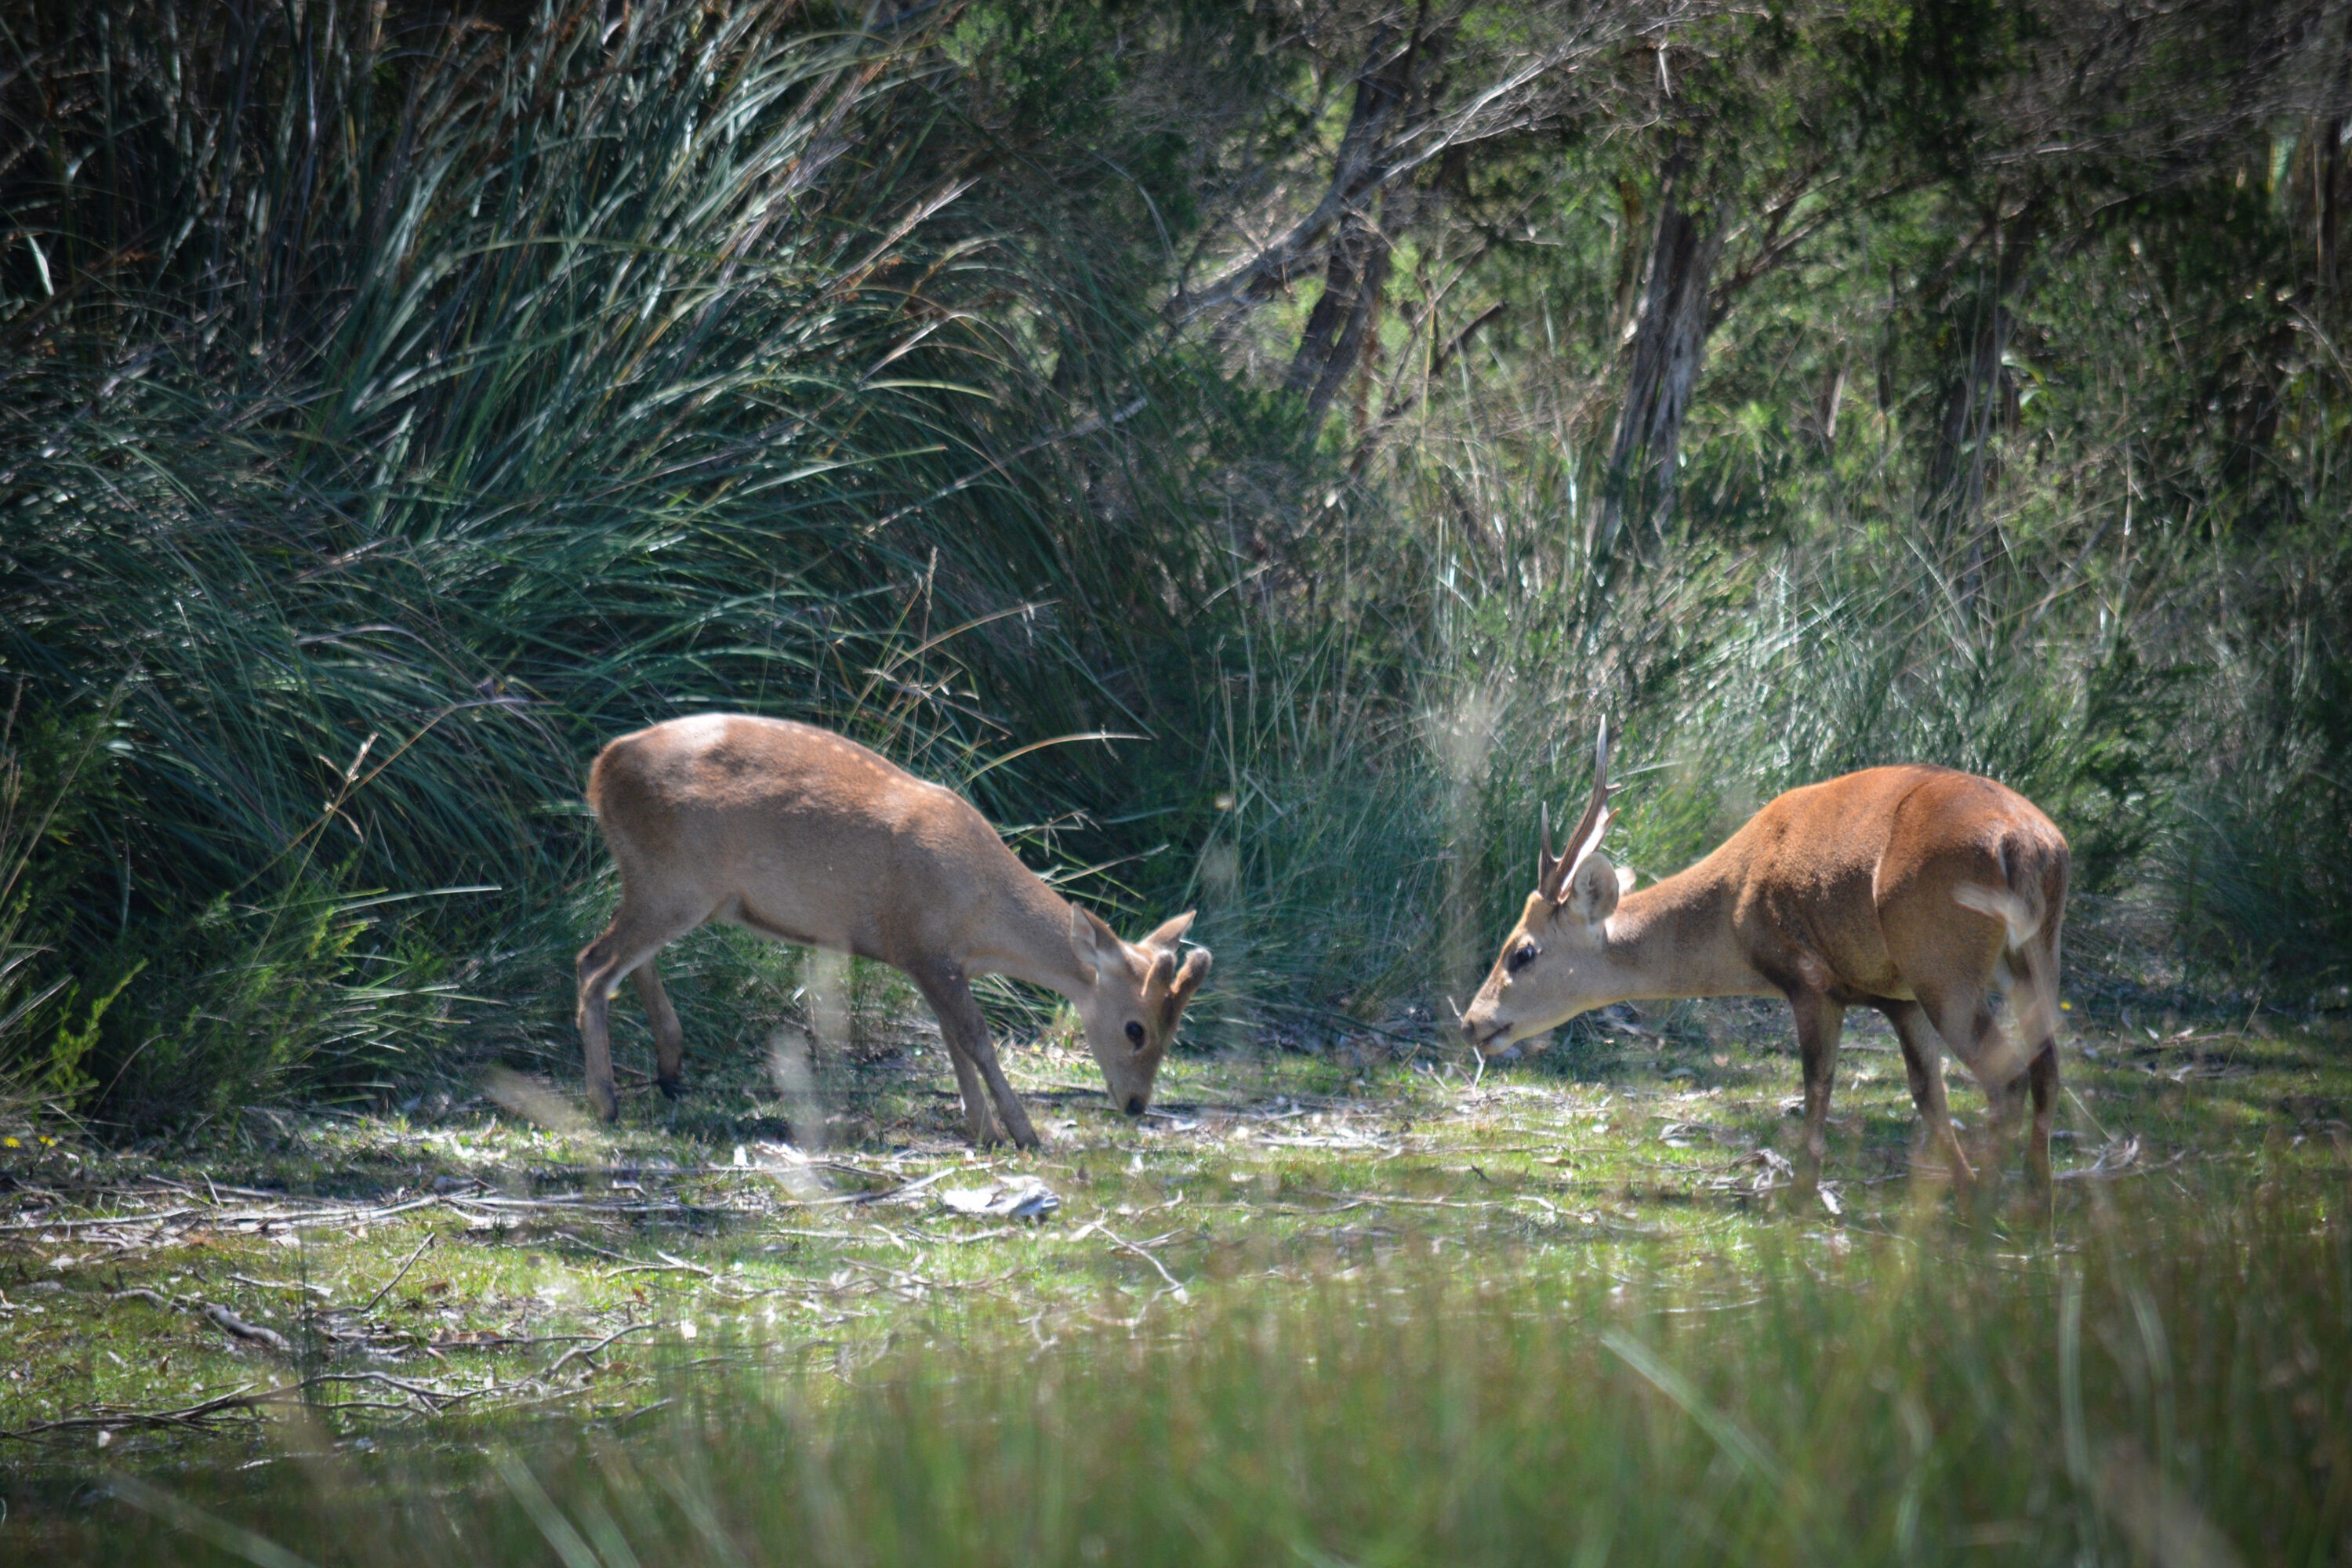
1916 890
808 837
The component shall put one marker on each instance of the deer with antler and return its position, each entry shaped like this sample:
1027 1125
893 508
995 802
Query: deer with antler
1917 890
808 837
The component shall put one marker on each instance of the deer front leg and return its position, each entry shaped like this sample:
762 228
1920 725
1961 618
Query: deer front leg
966 1030
1923 1063
979 1121
1819 1023
952 1005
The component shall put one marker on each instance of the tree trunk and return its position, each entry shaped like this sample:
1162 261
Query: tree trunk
1355 272
1670 329
1982 404
1355 279
2330 143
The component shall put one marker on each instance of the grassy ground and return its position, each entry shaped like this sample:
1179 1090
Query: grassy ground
492 1266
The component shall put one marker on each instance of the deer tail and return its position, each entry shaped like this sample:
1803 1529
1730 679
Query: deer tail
2024 971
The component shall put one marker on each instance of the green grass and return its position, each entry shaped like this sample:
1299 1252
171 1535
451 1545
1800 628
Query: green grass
1400 1318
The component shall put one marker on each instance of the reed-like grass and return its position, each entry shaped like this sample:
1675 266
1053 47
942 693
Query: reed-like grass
423 407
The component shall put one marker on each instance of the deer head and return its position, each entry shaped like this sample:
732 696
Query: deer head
1553 964
1140 991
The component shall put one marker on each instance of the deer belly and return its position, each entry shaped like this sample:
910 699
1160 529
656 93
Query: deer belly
800 926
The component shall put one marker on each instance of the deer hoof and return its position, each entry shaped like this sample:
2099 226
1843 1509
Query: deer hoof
672 1088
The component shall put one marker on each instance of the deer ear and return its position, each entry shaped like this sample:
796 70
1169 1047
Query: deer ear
1170 933
1091 940
1159 977
1592 889
1625 880
1188 980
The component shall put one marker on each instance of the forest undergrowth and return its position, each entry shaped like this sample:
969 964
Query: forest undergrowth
392 411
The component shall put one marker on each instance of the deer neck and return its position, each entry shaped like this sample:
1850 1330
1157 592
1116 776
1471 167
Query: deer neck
1674 939
1027 936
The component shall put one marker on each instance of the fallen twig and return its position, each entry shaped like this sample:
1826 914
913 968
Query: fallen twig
154 1297
237 1400
583 1352
401 1273
282 1285
1126 1246
237 1328
632 1266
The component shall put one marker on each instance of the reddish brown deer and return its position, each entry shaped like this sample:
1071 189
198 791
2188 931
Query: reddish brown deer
808 837
1916 890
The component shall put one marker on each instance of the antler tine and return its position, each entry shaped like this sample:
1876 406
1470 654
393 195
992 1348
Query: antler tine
1595 822
1547 863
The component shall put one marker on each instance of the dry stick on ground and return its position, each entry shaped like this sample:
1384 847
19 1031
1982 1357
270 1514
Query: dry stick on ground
237 1400
227 1321
154 1297
592 1246
242 1400
585 1351
282 1285
25 1225
226 1216
1127 1246
401 1273
631 1266
237 1328
246 1399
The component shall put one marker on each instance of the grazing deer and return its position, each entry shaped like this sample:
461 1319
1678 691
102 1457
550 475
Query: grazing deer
808 837
1914 889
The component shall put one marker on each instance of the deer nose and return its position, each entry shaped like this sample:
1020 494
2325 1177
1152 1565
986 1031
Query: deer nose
1135 1105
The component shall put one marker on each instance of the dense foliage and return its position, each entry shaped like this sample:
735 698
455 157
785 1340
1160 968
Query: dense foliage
1348 402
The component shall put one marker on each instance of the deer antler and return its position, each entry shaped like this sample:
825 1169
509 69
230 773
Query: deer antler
1552 872
1547 863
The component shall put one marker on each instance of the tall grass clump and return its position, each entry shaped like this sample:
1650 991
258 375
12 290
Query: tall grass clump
395 409
2169 1390
1402 785
2263 846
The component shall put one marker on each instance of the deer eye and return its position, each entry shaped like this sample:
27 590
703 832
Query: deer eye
1521 956
1135 1033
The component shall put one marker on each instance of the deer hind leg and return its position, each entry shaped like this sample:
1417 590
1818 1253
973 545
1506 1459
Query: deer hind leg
1923 1063
670 1039
949 995
2029 977
1819 1023
2042 1074
630 942
1963 1015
